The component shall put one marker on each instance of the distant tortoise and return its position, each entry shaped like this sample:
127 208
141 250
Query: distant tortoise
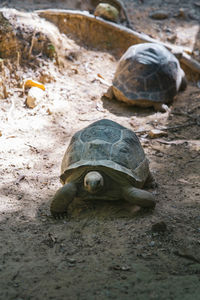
147 75
103 161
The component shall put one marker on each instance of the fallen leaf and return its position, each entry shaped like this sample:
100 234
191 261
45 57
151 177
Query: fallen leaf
183 181
11 137
175 142
99 75
28 83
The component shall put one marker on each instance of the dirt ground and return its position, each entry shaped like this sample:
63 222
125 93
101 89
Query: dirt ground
102 250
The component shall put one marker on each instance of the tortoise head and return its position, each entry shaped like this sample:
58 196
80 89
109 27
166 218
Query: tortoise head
93 182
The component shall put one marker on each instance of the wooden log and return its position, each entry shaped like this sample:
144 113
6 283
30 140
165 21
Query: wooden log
101 34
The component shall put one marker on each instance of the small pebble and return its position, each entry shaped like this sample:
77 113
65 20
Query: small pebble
107 11
35 95
19 197
152 244
71 260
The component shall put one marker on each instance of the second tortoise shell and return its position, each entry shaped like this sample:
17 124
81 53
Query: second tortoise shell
148 72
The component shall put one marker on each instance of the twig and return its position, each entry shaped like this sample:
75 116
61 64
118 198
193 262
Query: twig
5 93
167 128
32 44
32 148
98 78
2 68
18 59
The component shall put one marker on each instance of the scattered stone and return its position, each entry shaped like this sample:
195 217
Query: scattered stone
35 95
159 15
107 11
159 227
152 244
155 133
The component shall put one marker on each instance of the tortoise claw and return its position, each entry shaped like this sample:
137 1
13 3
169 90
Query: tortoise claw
59 215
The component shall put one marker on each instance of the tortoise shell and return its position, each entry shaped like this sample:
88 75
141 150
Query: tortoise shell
148 72
109 145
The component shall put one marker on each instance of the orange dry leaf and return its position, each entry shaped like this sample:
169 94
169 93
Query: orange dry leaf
30 83
99 75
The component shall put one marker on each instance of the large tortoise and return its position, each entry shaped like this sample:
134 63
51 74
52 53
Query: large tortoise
147 75
103 161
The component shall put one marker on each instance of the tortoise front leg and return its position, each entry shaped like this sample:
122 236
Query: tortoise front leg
61 200
139 197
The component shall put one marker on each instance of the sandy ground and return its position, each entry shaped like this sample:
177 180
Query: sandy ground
102 250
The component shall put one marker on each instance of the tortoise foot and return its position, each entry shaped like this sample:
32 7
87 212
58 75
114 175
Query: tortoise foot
61 200
139 197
